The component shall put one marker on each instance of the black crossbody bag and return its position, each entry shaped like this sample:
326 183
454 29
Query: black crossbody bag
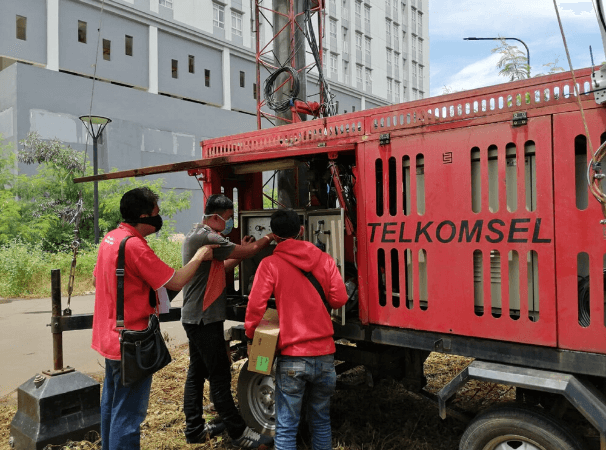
143 352
315 283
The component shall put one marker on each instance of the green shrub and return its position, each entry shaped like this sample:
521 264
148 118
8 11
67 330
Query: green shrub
25 268
19 263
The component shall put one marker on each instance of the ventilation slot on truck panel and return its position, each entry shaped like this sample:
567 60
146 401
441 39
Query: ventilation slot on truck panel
406 185
395 273
530 181
511 177
580 172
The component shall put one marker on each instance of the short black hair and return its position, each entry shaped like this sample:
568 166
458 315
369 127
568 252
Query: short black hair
285 223
136 202
217 204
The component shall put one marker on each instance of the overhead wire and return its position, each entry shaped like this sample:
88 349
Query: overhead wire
80 205
594 181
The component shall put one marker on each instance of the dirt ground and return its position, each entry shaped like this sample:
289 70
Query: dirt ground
382 417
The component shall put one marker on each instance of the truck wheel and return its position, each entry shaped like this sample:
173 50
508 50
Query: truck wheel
256 400
507 427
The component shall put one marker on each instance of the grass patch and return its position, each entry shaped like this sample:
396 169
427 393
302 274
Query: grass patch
25 269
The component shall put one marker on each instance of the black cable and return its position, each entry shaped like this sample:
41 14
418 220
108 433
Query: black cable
270 92
328 107
601 14
583 287
584 300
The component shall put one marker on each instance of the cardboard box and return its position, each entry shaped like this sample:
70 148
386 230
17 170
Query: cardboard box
265 341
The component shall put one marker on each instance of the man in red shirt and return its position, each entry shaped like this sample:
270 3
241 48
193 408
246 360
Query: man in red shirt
306 345
124 408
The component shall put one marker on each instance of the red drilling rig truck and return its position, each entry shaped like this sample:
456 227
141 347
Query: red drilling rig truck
462 224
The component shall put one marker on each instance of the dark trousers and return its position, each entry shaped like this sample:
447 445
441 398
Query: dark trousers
208 360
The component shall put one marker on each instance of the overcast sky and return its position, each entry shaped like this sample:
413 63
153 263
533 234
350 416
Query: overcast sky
462 65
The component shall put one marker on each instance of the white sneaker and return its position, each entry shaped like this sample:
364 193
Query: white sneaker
251 439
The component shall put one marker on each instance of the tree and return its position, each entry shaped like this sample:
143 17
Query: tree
553 68
513 63
50 202
11 211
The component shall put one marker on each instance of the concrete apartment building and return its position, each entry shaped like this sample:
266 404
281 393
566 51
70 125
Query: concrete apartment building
171 73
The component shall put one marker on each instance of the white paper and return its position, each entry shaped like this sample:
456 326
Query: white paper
163 301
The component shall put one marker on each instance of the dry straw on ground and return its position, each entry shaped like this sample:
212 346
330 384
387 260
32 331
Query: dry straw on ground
382 417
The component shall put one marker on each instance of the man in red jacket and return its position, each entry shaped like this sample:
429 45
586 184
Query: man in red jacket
306 345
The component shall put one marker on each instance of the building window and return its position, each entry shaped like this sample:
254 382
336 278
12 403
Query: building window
367 16
414 48
192 64
367 46
420 22
167 3
107 49
389 88
333 64
397 92
345 33
413 20
255 91
344 9
396 35
82 31
388 5
175 68
358 11
242 79
388 32
420 76
396 62
236 23
414 74
345 71
420 50
358 74
368 79
359 42
333 29
218 15
353 109
206 77
21 23
395 10
389 59
128 45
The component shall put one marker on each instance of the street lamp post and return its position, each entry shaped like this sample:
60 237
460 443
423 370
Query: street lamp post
505 38
95 126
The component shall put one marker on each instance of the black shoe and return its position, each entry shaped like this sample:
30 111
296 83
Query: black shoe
210 431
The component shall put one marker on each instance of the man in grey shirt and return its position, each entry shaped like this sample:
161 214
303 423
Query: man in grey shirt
203 314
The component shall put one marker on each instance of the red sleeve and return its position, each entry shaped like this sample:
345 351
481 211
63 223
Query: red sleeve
150 268
263 287
337 294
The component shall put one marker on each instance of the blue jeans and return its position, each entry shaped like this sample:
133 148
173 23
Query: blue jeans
293 376
122 409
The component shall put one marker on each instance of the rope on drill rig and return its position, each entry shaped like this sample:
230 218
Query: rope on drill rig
269 89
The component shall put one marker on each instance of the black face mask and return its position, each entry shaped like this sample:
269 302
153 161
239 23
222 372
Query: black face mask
155 221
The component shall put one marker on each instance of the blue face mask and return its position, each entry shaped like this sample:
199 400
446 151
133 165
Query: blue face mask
229 225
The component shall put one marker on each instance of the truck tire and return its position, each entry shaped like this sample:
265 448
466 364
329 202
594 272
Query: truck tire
256 400
507 427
